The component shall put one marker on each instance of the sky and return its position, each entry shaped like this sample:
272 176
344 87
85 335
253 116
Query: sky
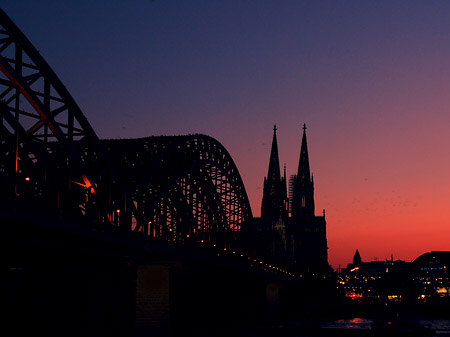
371 80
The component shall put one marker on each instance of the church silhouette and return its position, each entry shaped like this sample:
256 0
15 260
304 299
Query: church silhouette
295 235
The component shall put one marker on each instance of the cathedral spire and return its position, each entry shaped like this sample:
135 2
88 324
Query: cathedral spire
303 186
274 203
274 162
303 173
299 240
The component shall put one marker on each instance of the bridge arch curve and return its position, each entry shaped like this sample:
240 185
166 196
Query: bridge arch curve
170 188
185 188
42 127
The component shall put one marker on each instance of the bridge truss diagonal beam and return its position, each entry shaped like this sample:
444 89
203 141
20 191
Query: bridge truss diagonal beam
43 118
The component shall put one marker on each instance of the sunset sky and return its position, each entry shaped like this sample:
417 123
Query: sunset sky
371 79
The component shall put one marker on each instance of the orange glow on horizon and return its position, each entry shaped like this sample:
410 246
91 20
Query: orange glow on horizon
382 196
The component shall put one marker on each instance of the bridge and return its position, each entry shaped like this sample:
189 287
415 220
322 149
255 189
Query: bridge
131 232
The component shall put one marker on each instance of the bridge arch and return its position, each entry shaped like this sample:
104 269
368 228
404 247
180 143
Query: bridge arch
184 188
42 128
171 188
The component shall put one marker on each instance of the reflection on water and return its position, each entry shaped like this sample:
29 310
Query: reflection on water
353 323
439 327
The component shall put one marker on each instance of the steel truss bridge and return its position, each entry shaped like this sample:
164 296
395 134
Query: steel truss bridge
184 190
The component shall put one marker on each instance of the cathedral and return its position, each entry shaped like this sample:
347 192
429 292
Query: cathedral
296 236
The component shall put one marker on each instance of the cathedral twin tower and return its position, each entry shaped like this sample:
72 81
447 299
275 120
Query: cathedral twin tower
300 235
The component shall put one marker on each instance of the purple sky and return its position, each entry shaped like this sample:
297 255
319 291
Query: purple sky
371 79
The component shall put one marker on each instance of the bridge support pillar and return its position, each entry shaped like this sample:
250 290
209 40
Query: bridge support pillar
152 301
272 302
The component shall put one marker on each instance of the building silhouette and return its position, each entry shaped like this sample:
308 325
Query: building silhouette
424 284
357 258
275 202
298 236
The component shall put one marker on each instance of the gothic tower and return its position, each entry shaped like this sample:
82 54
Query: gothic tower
298 241
274 203
308 231
302 185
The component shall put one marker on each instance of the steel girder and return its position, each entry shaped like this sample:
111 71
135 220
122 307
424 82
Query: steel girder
184 188
48 148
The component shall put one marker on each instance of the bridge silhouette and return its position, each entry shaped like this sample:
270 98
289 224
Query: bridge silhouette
168 198
178 189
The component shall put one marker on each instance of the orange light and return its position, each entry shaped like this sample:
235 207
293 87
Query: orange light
87 184
118 210
27 178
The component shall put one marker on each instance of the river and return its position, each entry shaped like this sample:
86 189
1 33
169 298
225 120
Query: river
367 326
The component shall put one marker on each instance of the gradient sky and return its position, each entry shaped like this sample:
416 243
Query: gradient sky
371 79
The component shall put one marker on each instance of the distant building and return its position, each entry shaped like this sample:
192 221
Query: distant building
296 233
380 281
432 274
426 278
374 268
357 258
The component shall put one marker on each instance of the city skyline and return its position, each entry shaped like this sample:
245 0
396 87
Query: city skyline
370 81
